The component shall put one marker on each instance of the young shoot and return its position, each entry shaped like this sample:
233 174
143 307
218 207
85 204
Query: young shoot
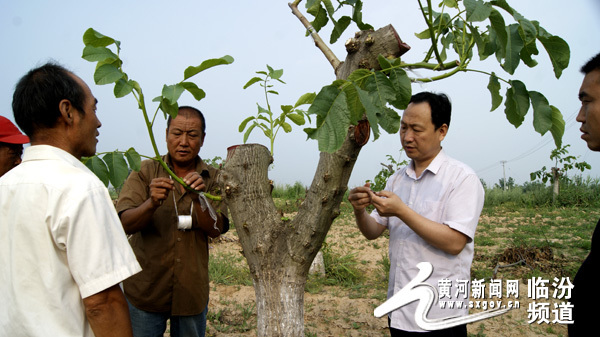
265 119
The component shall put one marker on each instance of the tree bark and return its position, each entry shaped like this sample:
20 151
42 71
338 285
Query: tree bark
366 46
555 184
280 252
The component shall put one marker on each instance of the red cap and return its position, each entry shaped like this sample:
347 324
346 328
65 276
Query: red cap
10 134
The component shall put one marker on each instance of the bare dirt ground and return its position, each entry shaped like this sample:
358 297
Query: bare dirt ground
338 311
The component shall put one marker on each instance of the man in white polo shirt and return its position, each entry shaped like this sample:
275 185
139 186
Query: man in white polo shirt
431 209
63 251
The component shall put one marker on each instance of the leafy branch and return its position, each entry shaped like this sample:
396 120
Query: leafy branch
466 28
109 70
264 118
559 156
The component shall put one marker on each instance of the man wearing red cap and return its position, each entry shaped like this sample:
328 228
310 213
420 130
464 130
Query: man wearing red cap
11 145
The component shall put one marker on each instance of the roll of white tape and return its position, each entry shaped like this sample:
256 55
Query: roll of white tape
184 222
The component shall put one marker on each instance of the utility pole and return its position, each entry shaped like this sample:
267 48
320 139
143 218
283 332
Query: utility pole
503 172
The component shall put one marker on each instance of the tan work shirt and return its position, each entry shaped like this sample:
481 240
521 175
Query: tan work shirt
174 275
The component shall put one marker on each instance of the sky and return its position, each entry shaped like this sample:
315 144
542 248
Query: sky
160 40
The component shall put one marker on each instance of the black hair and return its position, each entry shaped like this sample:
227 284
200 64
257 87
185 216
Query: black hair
198 112
591 65
38 94
440 105
16 148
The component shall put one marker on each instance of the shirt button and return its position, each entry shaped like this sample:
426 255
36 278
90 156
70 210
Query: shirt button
178 260
178 239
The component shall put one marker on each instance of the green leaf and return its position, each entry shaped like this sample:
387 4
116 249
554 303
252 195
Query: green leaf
359 76
480 42
384 63
339 28
99 168
424 35
353 102
527 31
93 38
371 110
526 53
558 126
389 120
276 74
262 110
557 49
488 46
307 98
381 89
297 118
450 3
193 89
504 5
498 34
134 159
172 92
171 109
268 133
137 88
357 17
328 7
252 81
320 15
514 46
123 88
332 118
542 112
286 108
477 10
247 134
244 123
494 88
273 92
286 127
261 117
191 71
96 54
106 74
402 88
516 103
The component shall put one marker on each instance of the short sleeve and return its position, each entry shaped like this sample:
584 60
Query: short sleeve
98 253
464 206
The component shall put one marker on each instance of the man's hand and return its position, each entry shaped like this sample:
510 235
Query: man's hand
387 203
360 197
195 181
159 190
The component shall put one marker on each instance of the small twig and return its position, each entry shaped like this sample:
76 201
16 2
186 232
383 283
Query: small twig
389 167
506 266
335 62
522 261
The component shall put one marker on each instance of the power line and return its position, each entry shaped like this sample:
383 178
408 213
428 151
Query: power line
535 148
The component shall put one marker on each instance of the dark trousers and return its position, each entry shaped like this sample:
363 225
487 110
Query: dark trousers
457 331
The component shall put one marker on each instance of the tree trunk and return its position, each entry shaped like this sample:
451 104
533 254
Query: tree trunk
556 184
279 252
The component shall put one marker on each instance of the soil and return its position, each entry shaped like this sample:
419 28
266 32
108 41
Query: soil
339 311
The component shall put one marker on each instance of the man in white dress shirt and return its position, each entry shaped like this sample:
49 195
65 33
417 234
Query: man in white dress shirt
63 251
431 209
